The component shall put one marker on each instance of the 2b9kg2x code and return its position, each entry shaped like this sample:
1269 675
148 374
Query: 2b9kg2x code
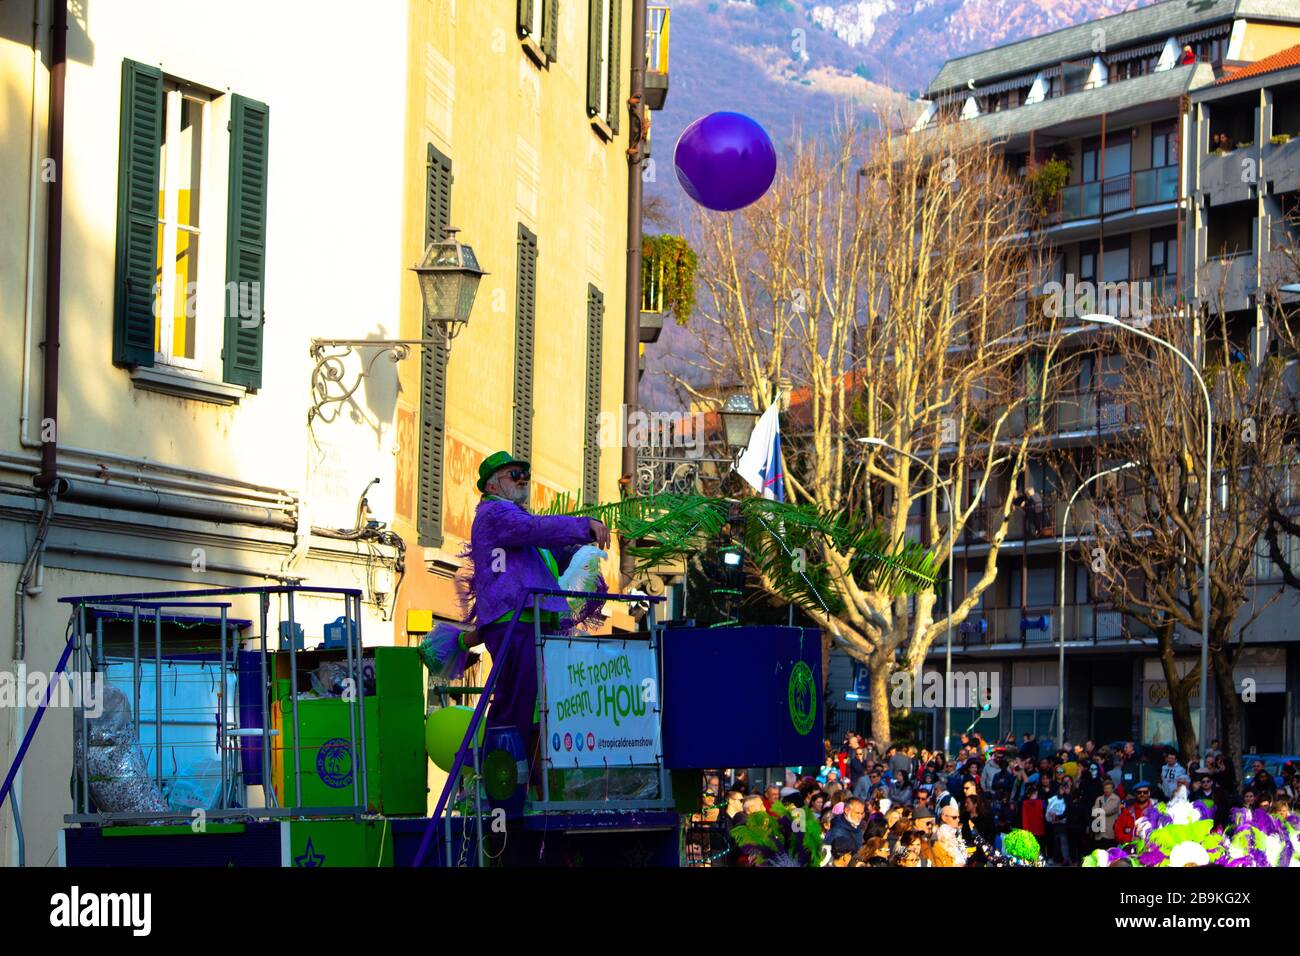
1218 898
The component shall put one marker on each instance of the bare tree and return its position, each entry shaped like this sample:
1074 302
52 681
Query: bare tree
1276 492
1146 557
881 285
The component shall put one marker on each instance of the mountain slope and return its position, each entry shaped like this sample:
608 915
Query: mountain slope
795 65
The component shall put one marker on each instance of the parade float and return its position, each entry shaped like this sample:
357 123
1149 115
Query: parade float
228 735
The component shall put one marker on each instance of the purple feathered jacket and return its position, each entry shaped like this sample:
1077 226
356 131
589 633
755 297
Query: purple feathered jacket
500 579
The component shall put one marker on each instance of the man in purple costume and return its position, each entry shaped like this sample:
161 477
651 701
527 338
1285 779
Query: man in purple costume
512 550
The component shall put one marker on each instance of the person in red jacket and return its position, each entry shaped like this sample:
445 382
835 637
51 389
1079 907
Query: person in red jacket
1132 812
1031 812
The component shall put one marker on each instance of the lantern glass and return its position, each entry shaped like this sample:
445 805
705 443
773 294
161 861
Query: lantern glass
449 275
738 419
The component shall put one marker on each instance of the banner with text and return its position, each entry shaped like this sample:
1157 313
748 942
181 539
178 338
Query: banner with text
602 703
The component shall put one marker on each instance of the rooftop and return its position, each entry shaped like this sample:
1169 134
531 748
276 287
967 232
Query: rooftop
1057 114
1283 60
1150 23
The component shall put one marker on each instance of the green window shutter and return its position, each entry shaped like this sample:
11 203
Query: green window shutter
550 27
525 324
524 17
615 63
246 242
591 431
138 176
595 59
433 366
437 219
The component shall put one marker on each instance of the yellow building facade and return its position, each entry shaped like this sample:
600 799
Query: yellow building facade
534 175
218 423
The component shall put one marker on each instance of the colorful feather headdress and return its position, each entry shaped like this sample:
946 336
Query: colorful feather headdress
1182 833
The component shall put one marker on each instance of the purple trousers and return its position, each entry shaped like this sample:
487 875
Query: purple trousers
515 694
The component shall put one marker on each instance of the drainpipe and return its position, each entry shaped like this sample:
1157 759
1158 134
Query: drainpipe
1184 189
49 476
51 485
33 187
632 319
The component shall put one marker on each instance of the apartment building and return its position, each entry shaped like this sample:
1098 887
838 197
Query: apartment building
1131 113
249 388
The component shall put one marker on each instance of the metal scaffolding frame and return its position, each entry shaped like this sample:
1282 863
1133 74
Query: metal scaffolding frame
87 653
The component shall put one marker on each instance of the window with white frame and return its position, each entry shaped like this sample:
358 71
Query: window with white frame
181 166
1265 569
604 56
604 62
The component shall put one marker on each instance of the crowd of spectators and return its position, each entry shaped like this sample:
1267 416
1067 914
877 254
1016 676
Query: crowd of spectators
907 806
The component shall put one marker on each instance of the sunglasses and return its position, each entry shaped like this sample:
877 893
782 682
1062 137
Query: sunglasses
518 474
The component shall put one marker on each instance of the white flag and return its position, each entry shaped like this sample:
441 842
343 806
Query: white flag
760 463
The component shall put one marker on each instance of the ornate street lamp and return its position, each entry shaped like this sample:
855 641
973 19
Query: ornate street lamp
1109 320
738 419
449 275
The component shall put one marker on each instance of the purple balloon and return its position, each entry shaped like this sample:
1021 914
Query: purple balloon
725 161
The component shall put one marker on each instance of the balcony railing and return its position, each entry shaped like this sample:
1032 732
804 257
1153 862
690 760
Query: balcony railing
1081 410
1079 202
652 284
1087 410
1154 186
656 39
1228 281
1125 193
1229 176
1282 165
656 57
1083 622
1044 524
1165 290
1041 522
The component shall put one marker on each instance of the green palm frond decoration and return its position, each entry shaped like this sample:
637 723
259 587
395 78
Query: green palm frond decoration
788 542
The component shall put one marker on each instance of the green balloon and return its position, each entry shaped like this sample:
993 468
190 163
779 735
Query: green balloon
444 732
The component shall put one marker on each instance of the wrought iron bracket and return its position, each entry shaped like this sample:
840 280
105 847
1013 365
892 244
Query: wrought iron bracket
327 377
657 474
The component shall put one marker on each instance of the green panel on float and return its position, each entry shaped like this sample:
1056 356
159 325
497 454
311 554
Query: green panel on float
314 843
395 757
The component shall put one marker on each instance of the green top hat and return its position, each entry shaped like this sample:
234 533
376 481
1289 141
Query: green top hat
494 463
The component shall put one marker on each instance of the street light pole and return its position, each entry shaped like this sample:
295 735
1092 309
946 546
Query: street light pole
952 543
1205 547
1060 666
